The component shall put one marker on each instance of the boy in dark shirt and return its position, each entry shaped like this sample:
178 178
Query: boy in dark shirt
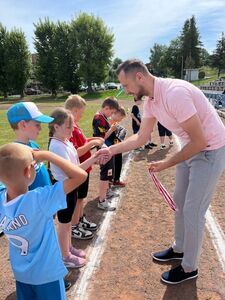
102 128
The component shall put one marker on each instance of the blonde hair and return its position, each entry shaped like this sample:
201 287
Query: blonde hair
60 115
75 101
14 158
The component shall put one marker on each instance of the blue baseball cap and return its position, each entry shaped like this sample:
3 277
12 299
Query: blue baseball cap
26 111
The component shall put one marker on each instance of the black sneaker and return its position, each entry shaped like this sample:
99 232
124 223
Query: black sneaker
67 284
148 146
81 234
167 255
153 144
177 275
84 223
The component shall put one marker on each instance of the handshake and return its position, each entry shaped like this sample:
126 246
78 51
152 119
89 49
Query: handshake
102 156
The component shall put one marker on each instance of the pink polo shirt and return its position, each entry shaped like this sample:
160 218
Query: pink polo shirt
175 101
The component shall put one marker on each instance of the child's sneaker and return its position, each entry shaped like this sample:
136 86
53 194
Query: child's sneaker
72 261
77 252
81 234
85 224
163 146
67 284
118 183
111 194
104 205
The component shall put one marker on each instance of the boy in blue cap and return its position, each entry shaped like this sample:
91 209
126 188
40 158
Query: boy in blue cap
26 218
25 119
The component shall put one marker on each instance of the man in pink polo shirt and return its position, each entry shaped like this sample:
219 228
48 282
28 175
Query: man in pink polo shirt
184 110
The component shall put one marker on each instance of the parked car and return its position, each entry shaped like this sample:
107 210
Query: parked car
32 91
100 87
111 86
83 88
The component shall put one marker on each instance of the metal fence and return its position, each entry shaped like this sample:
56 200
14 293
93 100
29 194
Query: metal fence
217 100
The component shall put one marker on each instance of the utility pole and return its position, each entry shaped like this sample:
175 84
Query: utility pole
182 67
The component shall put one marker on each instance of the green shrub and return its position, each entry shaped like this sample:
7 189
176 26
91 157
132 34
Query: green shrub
201 75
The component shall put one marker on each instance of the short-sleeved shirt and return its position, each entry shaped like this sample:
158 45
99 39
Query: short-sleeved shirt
42 177
136 112
65 150
100 126
175 101
27 222
78 139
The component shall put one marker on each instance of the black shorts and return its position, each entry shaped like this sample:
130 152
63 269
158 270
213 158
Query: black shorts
82 190
163 131
107 170
65 215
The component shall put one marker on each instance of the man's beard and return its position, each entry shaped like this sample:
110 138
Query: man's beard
141 93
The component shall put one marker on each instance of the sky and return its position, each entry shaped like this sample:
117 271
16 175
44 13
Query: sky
136 25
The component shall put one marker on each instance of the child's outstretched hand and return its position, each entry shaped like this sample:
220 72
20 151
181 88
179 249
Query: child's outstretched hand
113 126
98 143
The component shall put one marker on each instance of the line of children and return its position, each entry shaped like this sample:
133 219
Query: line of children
81 227
25 119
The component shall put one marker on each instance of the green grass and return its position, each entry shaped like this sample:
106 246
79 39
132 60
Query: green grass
210 75
47 104
7 135
61 97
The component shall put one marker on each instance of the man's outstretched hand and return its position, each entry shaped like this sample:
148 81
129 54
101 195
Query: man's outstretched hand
104 155
157 166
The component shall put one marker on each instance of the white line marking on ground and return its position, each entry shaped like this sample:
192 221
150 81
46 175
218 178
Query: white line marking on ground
214 229
96 250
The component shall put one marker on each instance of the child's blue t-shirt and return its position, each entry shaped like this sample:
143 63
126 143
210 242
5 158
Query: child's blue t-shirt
27 221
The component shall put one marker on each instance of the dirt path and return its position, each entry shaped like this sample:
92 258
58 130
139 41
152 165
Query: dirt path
144 224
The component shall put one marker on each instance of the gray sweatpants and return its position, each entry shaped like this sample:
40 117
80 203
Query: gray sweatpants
196 179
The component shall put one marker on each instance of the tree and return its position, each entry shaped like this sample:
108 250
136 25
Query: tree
67 65
17 61
190 44
157 59
218 56
94 43
174 59
112 69
46 68
3 79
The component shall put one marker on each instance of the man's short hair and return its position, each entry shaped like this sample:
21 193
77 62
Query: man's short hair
131 66
111 102
75 101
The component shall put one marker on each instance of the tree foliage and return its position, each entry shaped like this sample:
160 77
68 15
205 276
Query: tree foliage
46 69
218 56
14 61
3 61
18 61
157 59
112 69
66 58
190 44
94 44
